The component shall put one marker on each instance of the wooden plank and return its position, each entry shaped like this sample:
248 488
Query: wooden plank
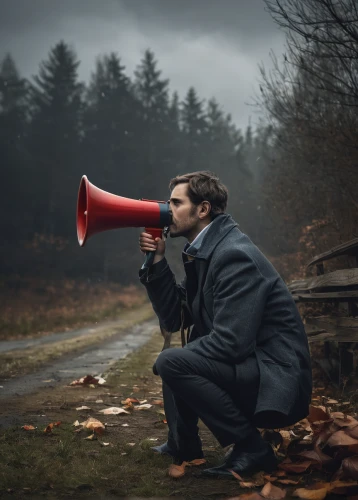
340 278
331 323
348 248
342 329
335 296
298 284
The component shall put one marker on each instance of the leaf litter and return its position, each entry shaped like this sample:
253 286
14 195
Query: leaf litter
326 441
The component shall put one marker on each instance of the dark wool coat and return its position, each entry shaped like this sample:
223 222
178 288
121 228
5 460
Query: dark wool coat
241 308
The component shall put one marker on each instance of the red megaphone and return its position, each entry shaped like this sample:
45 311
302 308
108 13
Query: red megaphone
98 211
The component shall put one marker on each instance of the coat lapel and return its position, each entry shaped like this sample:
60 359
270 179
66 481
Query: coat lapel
201 267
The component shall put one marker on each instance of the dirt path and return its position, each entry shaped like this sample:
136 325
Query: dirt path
13 345
94 360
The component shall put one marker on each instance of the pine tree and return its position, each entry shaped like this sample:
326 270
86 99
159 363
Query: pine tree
14 157
111 124
155 155
194 128
55 138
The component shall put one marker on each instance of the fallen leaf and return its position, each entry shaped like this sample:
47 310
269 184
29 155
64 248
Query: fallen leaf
244 484
131 444
158 402
145 406
272 492
104 444
317 414
288 481
100 380
129 401
297 468
316 456
50 426
113 411
91 437
93 424
343 420
318 494
143 401
28 427
99 401
83 408
332 402
350 466
236 475
76 423
341 438
88 379
125 425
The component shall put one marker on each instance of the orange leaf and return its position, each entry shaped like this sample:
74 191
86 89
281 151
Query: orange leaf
318 494
317 413
235 474
129 401
28 427
272 492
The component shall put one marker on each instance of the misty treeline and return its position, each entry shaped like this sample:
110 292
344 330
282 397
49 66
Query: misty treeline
292 182
130 136
311 100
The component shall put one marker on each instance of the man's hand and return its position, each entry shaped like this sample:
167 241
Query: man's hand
148 244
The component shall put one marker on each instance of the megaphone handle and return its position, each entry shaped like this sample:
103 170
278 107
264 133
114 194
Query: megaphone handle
156 233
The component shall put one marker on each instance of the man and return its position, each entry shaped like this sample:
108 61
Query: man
246 364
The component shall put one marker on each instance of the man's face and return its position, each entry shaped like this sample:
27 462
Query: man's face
185 214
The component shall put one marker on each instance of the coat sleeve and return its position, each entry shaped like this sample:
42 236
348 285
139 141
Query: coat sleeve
240 292
164 293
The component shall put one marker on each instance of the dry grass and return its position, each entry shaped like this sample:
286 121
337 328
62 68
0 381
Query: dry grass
31 307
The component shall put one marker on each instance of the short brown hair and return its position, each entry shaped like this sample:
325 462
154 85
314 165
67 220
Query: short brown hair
204 186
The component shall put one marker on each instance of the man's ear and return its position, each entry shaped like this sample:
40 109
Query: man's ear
205 209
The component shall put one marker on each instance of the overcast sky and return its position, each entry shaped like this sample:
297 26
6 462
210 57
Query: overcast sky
213 45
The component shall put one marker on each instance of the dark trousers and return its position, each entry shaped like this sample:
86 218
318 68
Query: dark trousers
223 396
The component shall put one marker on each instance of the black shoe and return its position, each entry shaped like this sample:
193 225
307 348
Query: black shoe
245 463
164 449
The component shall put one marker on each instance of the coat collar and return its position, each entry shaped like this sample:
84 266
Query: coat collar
219 228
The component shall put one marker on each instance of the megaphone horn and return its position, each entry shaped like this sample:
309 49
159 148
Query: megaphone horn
99 211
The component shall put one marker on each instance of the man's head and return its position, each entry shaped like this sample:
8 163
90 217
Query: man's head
195 200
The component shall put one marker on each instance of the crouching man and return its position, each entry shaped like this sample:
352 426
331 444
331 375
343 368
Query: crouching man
246 364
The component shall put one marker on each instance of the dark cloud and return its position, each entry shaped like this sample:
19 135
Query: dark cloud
214 45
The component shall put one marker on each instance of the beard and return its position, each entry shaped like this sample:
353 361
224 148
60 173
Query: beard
186 227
